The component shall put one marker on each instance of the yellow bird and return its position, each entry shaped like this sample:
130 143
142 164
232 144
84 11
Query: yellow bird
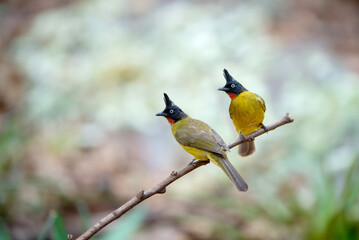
246 110
200 140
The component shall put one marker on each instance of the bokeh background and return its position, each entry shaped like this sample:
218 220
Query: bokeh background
81 82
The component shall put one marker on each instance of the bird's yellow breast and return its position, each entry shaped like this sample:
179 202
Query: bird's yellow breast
247 112
198 154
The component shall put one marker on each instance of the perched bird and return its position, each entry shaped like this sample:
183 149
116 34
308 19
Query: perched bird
246 110
200 140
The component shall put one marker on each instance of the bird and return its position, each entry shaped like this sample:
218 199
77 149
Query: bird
246 111
200 140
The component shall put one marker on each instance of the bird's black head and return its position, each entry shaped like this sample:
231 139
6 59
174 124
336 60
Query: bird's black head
232 87
171 111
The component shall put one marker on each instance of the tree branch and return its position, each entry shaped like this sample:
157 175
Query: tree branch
161 187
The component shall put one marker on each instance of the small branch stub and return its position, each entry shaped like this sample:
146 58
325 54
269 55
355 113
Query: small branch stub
163 190
141 194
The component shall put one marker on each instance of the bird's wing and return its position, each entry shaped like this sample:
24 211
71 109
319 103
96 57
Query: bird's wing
199 135
231 114
261 101
219 140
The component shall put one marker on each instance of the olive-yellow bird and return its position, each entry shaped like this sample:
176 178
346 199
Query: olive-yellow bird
246 110
200 140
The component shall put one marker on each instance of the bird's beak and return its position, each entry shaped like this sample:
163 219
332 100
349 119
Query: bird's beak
223 89
161 114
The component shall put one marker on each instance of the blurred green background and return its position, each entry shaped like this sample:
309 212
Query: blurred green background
81 81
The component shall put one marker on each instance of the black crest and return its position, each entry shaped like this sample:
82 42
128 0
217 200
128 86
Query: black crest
227 76
167 100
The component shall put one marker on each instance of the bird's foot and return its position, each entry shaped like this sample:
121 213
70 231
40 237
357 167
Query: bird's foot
245 138
264 127
242 138
192 162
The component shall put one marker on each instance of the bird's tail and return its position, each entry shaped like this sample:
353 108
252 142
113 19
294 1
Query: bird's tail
230 171
246 148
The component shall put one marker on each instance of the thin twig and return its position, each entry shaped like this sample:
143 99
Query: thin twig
161 187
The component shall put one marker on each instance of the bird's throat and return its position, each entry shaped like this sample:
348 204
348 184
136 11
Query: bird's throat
232 95
171 121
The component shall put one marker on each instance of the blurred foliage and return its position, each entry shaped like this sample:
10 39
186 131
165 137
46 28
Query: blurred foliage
11 149
83 138
4 233
54 225
127 227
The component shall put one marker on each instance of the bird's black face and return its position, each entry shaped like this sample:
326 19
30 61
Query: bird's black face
232 87
171 111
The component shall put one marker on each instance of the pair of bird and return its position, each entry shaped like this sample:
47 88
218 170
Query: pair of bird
199 139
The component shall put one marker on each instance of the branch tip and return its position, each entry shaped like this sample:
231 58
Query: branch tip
289 119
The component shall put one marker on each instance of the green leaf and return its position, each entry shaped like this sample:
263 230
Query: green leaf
85 216
4 233
47 226
59 232
126 228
